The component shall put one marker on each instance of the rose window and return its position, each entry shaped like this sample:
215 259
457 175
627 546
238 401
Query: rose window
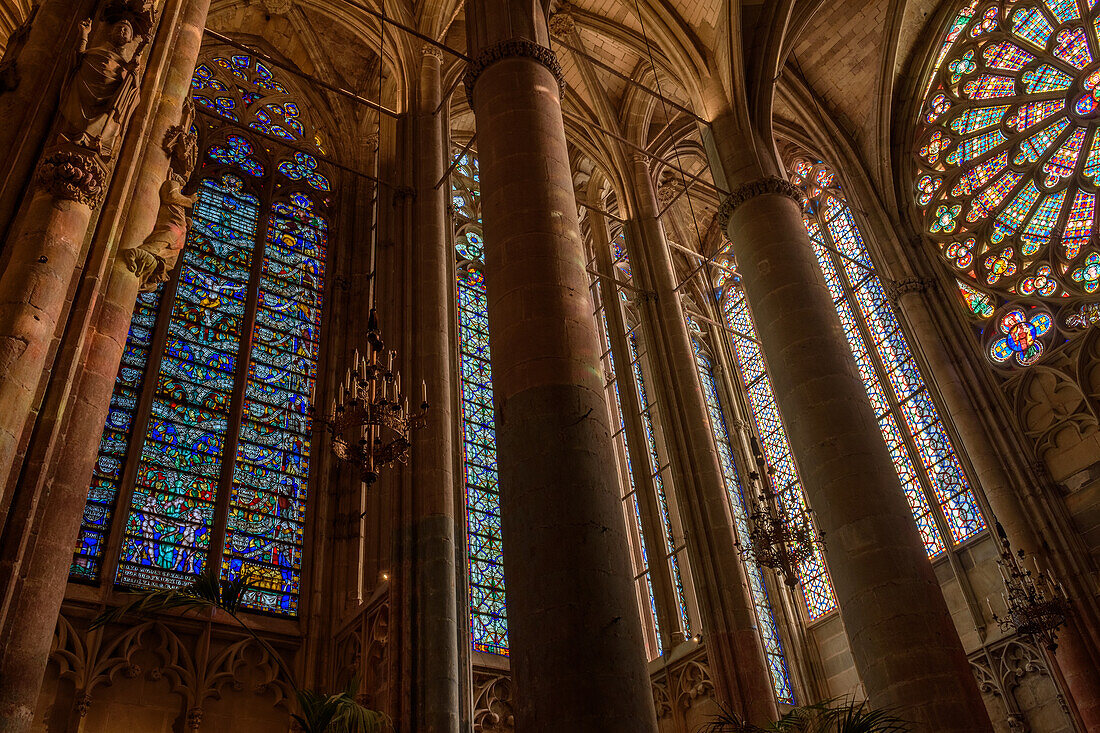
1008 166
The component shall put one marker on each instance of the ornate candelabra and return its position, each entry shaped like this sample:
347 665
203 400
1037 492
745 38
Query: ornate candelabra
782 543
369 420
1036 604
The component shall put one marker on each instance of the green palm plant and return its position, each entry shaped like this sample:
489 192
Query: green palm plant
319 712
842 715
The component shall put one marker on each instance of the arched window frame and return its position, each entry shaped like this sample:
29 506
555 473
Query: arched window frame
288 172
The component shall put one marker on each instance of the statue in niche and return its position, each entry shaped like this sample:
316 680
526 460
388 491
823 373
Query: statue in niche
102 90
156 257
9 64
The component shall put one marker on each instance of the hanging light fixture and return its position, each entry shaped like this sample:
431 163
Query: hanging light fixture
782 543
1036 604
369 420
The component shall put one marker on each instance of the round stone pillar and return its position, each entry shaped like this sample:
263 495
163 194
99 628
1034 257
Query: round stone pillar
436 686
577 654
904 643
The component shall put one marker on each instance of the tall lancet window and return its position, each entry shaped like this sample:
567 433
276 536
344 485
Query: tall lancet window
207 446
724 439
658 548
485 558
931 474
817 588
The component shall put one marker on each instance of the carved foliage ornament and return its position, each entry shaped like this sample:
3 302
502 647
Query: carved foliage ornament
759 187
512 48
71 173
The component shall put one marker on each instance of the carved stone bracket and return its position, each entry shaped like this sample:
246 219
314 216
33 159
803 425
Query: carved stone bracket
71 173
759 187
512 48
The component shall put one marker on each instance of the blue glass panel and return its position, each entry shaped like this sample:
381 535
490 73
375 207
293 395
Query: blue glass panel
167 534
107 474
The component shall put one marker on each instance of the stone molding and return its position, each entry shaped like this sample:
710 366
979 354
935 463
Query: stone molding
71 173
511 48
759 187
432 50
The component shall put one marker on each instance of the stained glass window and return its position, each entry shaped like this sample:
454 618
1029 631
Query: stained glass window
765 616
208 440
1009 135
660 559
817 588
931 474
485 561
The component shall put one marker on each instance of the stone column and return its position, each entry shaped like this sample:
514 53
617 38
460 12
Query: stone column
730 629
1074 657
902 638
149 246
578 660
435 596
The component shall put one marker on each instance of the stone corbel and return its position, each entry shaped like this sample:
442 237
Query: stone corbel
759 187
72 173
562 24
512 48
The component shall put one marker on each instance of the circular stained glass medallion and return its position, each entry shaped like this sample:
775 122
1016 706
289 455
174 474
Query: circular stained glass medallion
1008 154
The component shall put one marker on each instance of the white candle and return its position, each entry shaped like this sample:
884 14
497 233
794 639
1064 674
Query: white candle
423 390
356 360
397 386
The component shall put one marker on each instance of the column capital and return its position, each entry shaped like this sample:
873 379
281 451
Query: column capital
71 173
759 187
897 288
429 49
640 157
511 48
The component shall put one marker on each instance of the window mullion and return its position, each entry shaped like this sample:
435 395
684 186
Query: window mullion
236 407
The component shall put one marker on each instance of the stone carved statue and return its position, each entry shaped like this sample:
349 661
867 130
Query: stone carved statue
102 90
156 257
